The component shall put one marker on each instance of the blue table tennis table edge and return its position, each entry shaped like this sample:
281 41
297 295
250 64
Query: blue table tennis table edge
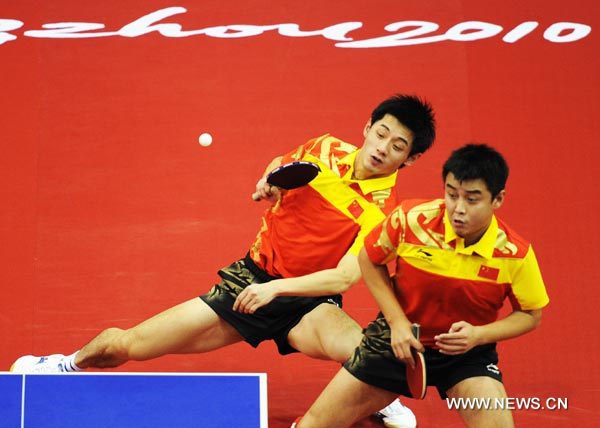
262 378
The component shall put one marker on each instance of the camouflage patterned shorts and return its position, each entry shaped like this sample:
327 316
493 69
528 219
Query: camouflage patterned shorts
374 363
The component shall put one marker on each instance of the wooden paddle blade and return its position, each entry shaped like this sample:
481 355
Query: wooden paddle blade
417 377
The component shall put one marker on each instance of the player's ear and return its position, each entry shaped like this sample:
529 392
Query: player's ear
499 199
412 159
367 127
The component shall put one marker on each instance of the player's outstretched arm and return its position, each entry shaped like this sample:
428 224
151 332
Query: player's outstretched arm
321 283
263 189
377 279
463 336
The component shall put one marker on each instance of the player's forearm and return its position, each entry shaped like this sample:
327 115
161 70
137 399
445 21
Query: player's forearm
272 165
515 324
322 283
376 277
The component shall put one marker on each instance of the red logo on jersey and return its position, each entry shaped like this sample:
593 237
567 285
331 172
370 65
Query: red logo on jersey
355 209
488 272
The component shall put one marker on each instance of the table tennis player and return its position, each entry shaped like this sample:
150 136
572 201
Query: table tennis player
288 287
456 263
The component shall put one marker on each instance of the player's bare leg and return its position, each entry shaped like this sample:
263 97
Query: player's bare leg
344 401
482 387
191 327
327 333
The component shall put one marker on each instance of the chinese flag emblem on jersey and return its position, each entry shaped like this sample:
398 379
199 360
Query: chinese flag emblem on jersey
355 209
488 272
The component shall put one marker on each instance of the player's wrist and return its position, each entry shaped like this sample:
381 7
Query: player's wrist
398 321
480 336
277 287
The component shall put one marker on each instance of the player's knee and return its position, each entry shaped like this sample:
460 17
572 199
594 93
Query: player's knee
341 347
346 340
342 333
353 337
478 386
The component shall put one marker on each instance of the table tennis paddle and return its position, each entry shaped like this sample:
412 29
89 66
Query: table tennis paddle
417 377
291 175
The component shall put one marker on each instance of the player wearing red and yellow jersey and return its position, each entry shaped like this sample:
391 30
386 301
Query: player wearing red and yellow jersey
456 264
320 225
287 288
441 280
293 239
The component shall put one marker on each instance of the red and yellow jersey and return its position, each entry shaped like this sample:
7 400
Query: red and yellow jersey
439 281
311 228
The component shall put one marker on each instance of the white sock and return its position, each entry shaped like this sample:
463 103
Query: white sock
69 361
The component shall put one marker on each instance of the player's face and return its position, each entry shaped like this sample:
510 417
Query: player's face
387 146
470 207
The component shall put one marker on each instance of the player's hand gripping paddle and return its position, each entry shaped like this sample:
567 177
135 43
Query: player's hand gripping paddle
291 175
416 377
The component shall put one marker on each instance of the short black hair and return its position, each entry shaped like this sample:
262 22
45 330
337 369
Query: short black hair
414 113
478 161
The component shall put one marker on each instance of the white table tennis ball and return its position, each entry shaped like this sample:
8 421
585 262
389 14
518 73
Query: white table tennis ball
205 139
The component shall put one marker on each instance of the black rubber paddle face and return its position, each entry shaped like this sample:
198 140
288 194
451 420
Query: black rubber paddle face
293 175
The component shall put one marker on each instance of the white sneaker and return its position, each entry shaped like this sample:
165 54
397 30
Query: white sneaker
397 415
31 364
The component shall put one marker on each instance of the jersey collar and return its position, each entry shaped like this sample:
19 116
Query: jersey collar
484 247
370 185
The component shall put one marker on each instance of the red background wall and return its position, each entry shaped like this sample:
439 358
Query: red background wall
111 211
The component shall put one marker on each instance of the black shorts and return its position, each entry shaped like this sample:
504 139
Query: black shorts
374 363
270 322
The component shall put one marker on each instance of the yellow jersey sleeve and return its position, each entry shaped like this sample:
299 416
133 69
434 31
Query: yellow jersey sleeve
527 284
371 217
